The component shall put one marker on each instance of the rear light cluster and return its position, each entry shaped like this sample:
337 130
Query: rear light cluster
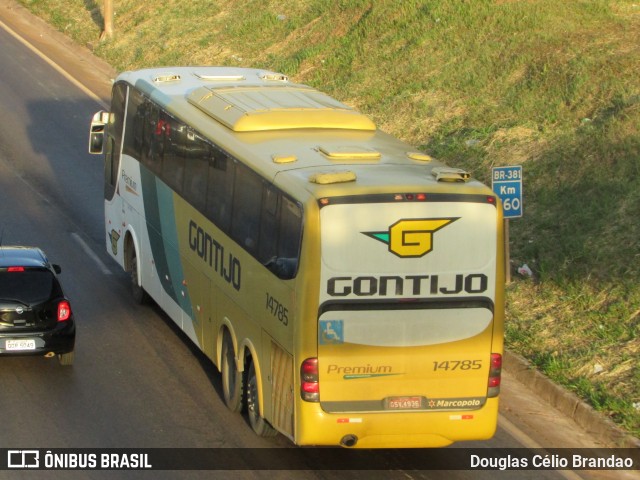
398 197
411 197
15 269
64 311
494 375
309 383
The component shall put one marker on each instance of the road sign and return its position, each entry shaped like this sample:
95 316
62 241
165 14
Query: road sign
506 182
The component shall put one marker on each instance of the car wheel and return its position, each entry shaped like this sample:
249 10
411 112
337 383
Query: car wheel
66 358
232 384
259 425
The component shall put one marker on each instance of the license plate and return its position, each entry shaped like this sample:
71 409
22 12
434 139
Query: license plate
21 344
404 403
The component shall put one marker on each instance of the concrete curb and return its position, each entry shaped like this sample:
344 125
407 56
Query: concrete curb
568 403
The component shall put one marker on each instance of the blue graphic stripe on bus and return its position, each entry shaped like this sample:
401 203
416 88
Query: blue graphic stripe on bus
152 216
156 201
169 230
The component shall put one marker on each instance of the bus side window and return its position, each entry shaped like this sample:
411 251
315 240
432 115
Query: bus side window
268 245
196 170
174 134
245 221
280 234
153 140
290 236
134 139
220 189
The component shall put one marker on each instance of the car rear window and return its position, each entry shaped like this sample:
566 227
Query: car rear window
31 286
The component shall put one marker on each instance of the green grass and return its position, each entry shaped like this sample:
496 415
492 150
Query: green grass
551 85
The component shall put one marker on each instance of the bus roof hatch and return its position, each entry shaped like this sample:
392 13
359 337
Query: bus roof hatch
254 108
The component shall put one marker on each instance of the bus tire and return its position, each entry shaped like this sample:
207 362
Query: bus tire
232 379
66 359
259 425
137 291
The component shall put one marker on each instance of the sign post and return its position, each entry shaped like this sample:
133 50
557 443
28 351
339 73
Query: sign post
506 182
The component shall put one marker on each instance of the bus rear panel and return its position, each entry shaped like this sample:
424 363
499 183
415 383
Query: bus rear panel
408 345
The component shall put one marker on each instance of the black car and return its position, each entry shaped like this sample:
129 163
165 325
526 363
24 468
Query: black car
35 316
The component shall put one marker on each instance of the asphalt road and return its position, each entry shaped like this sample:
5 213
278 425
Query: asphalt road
137 381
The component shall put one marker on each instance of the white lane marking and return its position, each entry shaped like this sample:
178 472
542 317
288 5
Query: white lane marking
54 65
103 268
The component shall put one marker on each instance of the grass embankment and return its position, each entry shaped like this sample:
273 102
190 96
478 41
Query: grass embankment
551 85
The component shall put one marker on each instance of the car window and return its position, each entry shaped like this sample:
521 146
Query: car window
28 286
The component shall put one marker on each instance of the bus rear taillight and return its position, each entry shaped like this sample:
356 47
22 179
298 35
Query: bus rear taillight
410 197
309 386
494 375
64 311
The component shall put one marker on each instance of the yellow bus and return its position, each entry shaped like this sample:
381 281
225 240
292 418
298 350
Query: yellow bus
348 287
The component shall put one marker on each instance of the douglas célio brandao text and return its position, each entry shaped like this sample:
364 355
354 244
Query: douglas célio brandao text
552 462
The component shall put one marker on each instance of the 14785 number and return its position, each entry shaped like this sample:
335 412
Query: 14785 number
277 309
457 365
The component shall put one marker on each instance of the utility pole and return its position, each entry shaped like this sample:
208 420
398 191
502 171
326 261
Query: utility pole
108 20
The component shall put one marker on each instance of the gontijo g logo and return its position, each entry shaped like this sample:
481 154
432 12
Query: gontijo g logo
411 238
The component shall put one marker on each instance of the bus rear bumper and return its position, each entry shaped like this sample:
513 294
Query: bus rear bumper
396 430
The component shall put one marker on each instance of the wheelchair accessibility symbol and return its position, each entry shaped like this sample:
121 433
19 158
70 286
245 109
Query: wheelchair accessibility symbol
331 332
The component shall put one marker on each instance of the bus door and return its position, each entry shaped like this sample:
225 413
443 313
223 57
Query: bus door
112 147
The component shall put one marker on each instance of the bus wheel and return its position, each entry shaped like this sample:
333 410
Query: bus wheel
232 385
258 424
139 295
66 358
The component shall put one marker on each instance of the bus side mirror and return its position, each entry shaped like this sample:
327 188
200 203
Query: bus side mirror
96 133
